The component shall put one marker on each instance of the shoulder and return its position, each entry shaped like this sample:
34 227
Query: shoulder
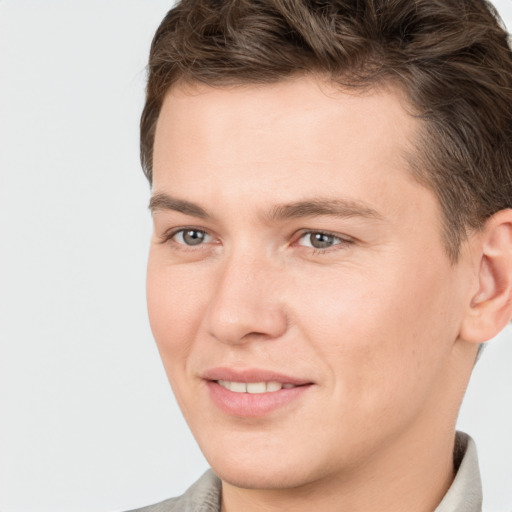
203 496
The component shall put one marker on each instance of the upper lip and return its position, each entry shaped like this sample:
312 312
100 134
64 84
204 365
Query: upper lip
251 375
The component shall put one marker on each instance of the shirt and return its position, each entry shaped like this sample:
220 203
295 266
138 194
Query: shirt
464 495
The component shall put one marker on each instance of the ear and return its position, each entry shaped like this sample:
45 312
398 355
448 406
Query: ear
491 306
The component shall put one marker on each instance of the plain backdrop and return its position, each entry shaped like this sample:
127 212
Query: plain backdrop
87 420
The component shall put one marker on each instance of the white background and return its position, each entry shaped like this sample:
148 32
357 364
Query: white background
87 420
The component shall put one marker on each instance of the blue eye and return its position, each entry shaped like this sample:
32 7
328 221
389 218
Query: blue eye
319 240
191 237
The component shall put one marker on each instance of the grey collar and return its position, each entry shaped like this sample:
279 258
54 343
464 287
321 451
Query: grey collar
465 493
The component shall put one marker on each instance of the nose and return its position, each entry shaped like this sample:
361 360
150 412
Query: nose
247 304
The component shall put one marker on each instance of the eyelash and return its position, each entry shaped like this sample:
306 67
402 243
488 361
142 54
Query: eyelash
168 236
342 242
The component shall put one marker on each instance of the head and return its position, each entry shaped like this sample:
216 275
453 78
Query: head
331 192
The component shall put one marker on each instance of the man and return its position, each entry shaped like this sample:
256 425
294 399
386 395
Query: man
331 193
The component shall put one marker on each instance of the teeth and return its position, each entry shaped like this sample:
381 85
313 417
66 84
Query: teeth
224 384
238 387
274 386
253 387
256 387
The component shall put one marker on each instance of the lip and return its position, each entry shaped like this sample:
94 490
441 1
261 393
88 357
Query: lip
250 405
252 375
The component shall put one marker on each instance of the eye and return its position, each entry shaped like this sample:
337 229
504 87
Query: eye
319 240
190 237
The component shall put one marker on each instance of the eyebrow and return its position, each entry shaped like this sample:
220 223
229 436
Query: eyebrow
321 207
315 207
165 202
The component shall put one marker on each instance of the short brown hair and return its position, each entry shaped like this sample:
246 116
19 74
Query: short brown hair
451 57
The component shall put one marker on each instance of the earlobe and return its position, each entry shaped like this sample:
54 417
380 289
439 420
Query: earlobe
490 308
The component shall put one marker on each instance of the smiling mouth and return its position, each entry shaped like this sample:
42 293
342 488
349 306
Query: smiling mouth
254 387
255 393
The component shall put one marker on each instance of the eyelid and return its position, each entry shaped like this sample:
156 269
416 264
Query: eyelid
343 240
169 234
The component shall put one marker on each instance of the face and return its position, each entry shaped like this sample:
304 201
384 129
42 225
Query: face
298 288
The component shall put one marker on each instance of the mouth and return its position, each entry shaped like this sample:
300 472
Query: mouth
253 393
255 387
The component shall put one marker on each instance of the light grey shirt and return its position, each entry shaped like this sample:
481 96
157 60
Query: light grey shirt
464 495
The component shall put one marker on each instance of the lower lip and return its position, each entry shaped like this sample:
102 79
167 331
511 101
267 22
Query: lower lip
251 405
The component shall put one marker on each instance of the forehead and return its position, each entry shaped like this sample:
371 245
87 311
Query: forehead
292 112
303 131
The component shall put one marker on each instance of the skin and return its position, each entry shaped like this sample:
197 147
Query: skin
381 323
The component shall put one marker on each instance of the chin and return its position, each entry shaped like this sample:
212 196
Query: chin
277 471
261 478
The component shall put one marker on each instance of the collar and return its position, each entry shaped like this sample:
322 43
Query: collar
465 493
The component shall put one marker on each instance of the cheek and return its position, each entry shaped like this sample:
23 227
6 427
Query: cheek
384 334
175 299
